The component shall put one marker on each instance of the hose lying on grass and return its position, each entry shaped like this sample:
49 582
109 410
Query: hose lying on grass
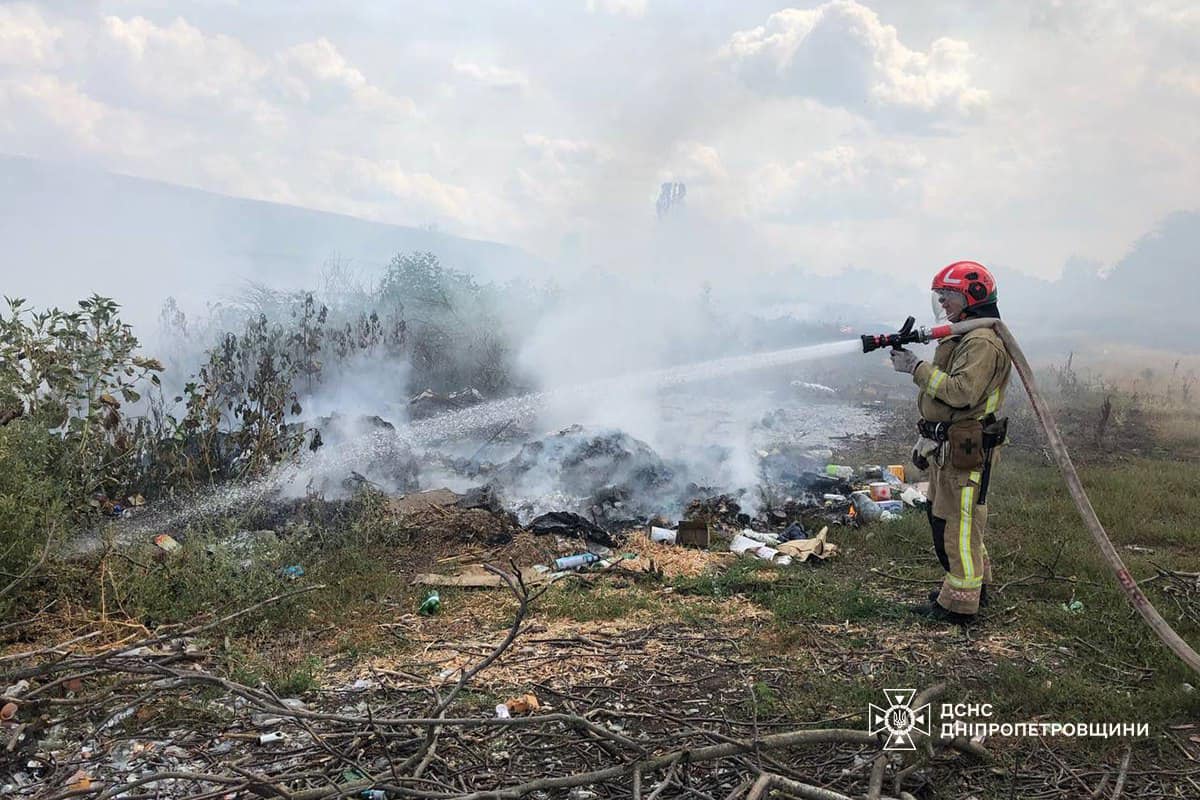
1139 600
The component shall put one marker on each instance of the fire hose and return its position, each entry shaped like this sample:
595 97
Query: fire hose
1133 592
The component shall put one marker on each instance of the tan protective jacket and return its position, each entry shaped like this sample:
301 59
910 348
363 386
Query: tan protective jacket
967 378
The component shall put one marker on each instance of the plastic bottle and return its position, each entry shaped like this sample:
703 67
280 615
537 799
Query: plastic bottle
431 605
839 471
575 561
866 508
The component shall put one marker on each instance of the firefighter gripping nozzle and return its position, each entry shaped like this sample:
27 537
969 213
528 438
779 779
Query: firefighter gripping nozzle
906 335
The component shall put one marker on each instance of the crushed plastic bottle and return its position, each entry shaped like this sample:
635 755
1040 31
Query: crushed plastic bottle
839 471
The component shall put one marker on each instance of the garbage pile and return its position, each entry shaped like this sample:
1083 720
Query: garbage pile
615 479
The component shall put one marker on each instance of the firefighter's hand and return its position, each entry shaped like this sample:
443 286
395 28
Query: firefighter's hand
921 452
904 361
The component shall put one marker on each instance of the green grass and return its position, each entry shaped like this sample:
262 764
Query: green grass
590 602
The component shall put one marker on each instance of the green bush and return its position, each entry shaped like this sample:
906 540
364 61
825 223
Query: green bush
33 509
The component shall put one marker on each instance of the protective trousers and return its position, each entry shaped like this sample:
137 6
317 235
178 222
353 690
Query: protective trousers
958 520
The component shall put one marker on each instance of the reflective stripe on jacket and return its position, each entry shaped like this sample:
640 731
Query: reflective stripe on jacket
966 379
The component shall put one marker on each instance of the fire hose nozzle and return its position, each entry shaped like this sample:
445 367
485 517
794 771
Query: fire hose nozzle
906 335
896 340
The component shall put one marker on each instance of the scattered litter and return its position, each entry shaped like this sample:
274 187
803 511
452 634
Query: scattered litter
166 543
576 561
865 508
664 535
912 496
897 470
525 704
273 736
694 533
1138 548
1074 607
79 781
793 532
840 471
758 536
8 712
432 604
570 525
880 490
292 572
502 711
816 547
745 545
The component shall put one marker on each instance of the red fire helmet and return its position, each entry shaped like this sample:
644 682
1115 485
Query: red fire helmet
970 278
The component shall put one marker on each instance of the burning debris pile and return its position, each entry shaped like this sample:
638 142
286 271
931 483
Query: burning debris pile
617 480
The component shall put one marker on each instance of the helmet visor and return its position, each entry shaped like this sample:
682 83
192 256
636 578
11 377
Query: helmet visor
947 304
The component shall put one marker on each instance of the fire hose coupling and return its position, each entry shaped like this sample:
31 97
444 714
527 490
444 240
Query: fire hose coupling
906 335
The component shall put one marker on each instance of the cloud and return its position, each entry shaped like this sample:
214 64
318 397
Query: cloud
315 70
842 182
179 63
565 152
842 55
26 39
43 109
493 76
695 164
624 8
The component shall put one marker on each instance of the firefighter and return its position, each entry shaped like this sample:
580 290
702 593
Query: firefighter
959 397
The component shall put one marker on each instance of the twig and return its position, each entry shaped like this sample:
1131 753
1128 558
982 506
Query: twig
1119 786
875 787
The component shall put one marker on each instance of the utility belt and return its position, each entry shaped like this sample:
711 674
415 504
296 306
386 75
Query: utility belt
970 441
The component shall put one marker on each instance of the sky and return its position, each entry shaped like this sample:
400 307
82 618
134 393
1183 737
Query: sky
894 136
